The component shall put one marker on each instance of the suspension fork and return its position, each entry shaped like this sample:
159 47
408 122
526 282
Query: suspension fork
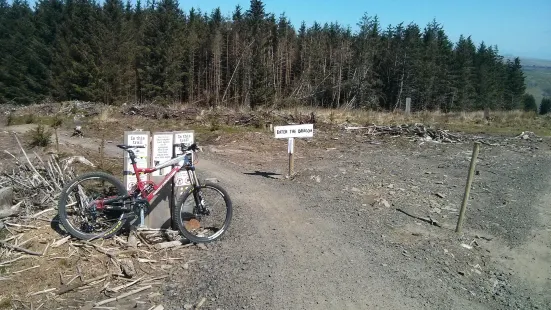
197 195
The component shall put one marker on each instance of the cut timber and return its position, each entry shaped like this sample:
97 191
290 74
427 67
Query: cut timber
106 301
16 248
67 288
169 244
6 196
60 241
127 267
42 292
424 219
10 211
412 130
121 287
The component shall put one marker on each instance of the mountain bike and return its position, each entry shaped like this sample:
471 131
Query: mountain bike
104 207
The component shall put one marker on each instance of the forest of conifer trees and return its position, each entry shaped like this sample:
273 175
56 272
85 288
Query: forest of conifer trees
116 52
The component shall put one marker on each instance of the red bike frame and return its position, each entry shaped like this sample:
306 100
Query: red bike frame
156 187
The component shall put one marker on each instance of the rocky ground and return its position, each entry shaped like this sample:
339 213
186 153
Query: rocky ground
333 236
345 233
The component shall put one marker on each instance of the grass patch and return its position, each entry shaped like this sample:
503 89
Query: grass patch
40 136
5 303
64 262
29 118
13 119
500 122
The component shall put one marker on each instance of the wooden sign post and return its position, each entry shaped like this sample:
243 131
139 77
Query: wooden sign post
408 105
290 150
291 132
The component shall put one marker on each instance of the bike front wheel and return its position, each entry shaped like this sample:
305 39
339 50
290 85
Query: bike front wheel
203 214
77 207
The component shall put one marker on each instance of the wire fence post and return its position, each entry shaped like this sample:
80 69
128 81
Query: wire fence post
472 166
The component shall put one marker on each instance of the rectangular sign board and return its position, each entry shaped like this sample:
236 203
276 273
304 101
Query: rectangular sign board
162 151
137 138
294 131
181 178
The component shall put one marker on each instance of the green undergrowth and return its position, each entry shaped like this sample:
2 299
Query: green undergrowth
30 118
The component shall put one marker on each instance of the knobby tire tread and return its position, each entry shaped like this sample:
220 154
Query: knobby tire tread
62 211
189 193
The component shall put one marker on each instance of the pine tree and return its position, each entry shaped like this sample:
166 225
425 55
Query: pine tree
24 74
366 49
162 54
114 56
464 74
76 70
545 106
515 84
529 103
260 91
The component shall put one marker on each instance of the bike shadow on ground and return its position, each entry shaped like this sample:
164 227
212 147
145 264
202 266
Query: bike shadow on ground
56 225
265 174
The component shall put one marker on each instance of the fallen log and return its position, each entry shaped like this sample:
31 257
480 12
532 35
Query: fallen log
105 301
424 219
11 211
67 288
20 249
169 244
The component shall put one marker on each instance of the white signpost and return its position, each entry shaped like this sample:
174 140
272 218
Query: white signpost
162 151
291 132
181 178
137 138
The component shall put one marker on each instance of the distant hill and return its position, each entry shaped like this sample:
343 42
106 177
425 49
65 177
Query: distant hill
538 76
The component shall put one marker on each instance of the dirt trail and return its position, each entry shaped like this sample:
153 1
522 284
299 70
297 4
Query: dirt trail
279 255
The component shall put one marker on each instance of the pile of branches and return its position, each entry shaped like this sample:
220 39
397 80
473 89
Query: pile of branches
418 130
161 112
36 183
127 268
263 117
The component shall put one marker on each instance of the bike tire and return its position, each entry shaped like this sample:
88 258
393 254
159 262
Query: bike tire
177 210
62 206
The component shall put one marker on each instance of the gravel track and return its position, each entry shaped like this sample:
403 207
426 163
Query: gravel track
326 239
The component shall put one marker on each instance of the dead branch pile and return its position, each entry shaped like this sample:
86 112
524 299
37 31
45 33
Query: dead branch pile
37 182
528 135
99 272
161 112
258 118
418 130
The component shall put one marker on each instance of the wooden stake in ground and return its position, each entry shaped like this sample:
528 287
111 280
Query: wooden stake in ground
467 188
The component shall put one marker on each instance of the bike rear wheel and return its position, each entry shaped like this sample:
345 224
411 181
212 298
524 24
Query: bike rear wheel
203 214
77 210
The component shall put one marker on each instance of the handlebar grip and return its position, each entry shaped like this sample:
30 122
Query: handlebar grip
183 146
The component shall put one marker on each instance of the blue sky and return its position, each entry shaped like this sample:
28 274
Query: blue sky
520 28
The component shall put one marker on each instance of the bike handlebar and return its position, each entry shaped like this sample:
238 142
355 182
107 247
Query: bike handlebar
185 147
